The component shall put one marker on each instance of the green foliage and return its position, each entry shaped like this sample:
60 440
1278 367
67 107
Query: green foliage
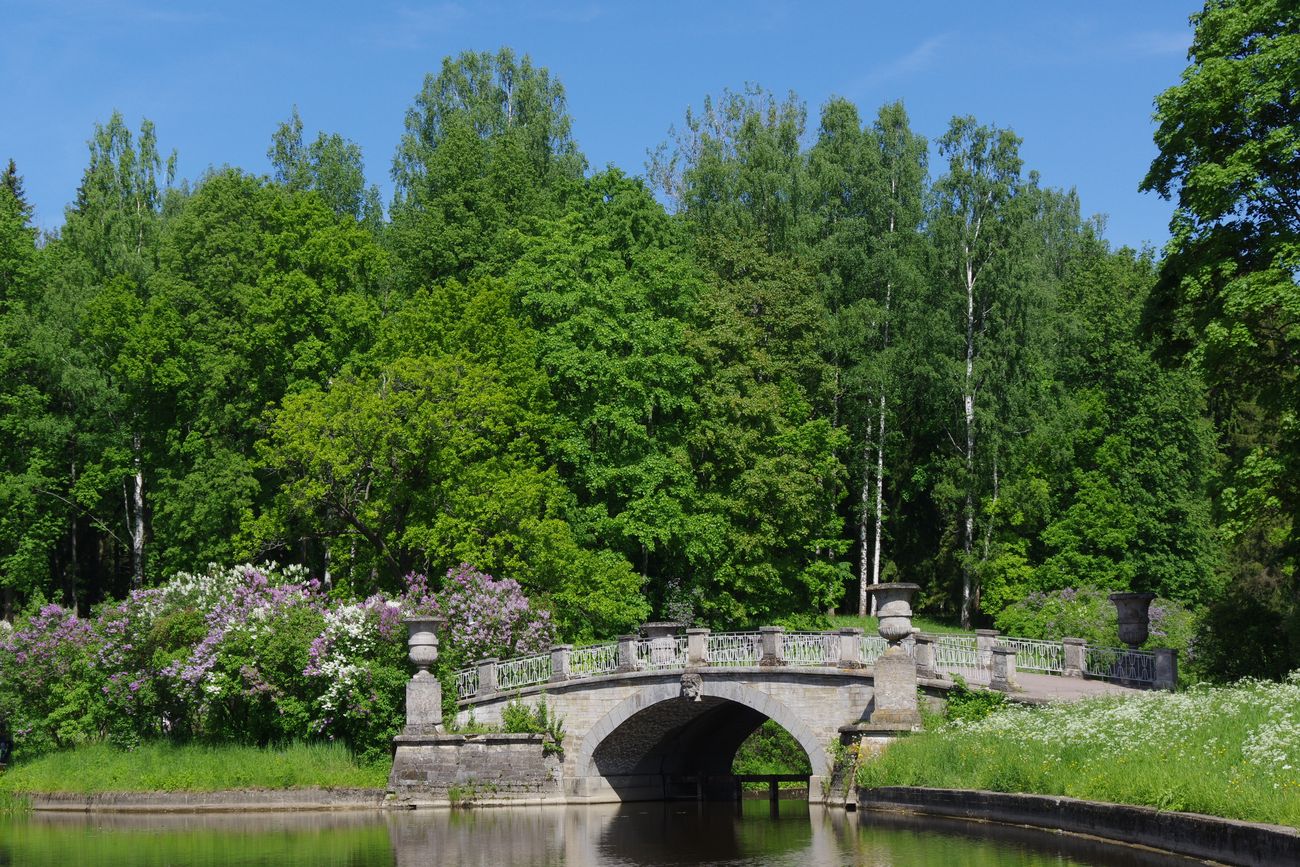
970 705
167 767
518 718
1225 752
1226 303
770 750
1089 614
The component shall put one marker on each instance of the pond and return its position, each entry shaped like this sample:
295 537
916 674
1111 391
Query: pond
629 835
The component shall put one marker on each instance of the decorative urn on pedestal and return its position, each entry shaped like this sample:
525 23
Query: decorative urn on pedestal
423 692
1134 610
895 671
894 610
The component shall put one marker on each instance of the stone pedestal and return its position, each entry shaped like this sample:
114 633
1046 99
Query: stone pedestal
627 660
895 682
985 641
560 656
1004 670
1075 658
772 649
850 647
1166 669
487 676
925 655
423 705
697 646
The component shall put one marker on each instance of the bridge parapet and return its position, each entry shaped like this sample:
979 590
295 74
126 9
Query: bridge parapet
970 656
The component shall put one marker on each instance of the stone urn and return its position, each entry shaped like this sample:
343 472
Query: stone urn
422 641
1134 610
894 608
663 640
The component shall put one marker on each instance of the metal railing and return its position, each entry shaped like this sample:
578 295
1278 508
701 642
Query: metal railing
810 648
652 653
1033 654
734 648
467 683
596 659
957 654
872 647
1120 665
522 672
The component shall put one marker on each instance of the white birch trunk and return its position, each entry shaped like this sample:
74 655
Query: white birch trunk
968 406
137 524
864 607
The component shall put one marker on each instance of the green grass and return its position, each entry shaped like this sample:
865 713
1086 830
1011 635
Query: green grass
164 767
869 624
1227 751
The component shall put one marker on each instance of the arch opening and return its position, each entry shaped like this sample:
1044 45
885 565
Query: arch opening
667 747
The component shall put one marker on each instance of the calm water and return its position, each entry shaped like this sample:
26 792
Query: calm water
631 835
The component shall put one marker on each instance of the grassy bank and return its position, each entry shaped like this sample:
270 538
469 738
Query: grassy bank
164 767
1228 751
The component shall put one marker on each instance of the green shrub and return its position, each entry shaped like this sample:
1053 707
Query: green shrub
964 703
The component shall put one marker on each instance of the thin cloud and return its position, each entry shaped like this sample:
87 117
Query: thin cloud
414 25
919 59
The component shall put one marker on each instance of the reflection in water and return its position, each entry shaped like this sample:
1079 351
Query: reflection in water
631 835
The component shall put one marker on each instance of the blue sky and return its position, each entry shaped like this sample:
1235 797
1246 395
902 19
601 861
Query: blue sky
1075 80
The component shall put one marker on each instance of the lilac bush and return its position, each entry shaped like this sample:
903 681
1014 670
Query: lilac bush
487 616
249 654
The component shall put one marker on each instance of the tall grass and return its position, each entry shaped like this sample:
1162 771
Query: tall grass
1227 751
165 767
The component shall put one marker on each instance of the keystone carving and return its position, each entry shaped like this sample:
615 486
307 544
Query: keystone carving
692 687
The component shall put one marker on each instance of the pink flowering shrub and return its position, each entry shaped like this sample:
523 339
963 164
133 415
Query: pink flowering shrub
253 654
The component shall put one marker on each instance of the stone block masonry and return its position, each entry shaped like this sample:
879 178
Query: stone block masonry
435 770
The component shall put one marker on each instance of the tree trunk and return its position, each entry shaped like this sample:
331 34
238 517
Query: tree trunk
864 607
968 405
137 523
70 573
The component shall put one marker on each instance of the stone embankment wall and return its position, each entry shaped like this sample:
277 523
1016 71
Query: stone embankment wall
433 770
1207 837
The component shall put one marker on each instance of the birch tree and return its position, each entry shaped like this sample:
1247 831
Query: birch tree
974 217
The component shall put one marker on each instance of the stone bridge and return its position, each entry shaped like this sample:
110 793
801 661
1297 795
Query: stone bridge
663 716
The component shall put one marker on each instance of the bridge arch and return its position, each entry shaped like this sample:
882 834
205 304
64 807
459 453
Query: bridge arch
671 724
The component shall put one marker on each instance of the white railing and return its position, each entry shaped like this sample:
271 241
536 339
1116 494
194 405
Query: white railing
735 648
596 659
955 654
661 653
522 672
810 648
959 654
1033 654
1118 664
467 683
872 647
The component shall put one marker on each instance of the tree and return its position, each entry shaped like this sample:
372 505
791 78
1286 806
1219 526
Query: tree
1227 304
869 255
430 455
487 146
331 165
607 287
975 226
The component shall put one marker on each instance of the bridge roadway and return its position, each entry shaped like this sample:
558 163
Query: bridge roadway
629 732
